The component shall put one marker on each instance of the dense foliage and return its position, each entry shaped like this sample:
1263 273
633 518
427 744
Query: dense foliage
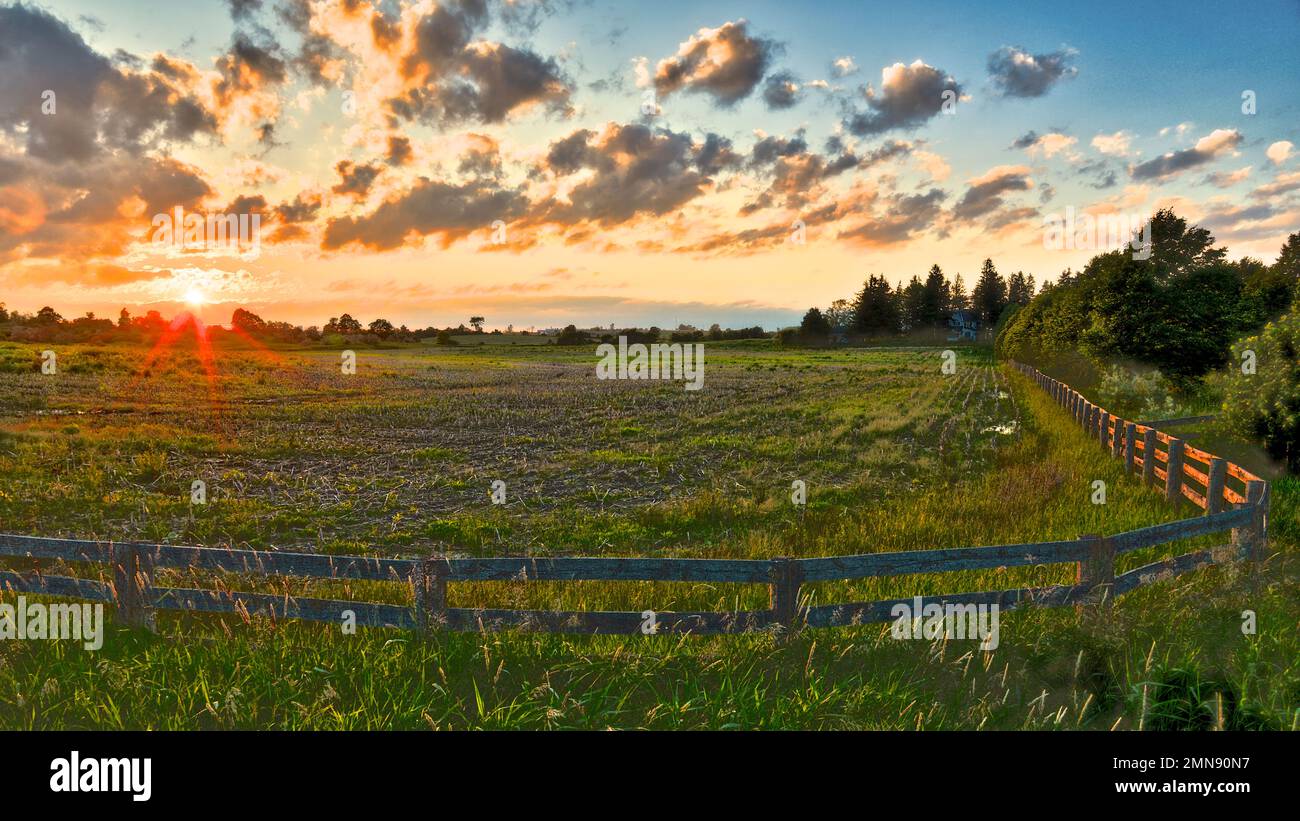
1262 389
1178 310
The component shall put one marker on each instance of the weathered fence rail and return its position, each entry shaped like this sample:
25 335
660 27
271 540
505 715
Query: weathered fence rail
1234 499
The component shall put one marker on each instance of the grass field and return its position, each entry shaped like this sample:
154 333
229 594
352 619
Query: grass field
399 459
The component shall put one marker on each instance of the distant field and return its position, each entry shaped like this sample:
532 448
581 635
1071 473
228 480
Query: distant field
399 459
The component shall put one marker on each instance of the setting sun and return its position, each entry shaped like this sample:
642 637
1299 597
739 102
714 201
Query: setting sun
194 297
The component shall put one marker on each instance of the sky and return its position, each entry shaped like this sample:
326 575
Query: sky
541 162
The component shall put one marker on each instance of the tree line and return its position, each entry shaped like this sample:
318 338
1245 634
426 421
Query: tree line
880 309
1178 311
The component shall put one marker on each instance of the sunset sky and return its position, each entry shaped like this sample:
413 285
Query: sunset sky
645 162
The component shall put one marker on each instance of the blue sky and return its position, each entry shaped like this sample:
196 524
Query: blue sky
643 234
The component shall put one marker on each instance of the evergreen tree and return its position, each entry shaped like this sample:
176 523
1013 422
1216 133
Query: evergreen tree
875 310
913 305
936 297
990 294
958 301
1020 289
1288 260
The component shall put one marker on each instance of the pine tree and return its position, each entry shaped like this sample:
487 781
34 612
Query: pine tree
935 297
958 301
876 308
990 294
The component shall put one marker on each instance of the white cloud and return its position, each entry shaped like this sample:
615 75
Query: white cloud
1279 151
843 67
1114 145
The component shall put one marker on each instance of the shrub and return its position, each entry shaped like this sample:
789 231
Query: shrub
1265 404
1137 395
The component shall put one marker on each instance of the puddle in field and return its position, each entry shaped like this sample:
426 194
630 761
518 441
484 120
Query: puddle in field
1005 429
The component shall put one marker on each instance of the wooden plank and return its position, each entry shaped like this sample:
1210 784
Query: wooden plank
1195 498
1096 573
1167 569
1251 540
786 576
1182 529
181 557
429 581
607 622
1130 446
67 586
1174 476
1233 497
71 550
311 565
898 563
1203 479
282 563
1148 457
330 611
1182 420
370 614
1241 473
132 568
739 571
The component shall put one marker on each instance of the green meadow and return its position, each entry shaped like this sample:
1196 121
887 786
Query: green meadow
400 459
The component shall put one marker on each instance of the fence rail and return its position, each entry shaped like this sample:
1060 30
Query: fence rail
1240 508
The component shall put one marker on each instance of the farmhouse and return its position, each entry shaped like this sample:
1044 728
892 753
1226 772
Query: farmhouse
965 326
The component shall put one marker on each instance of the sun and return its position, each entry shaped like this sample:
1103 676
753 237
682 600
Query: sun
194 297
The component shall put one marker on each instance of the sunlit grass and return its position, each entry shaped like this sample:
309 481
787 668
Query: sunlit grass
399 462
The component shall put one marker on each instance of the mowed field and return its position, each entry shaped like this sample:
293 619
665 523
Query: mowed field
399 459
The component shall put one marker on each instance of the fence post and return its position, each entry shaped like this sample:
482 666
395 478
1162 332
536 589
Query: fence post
1117 441
1130 447
1088 410
1096 573
1149 456
786 577
1174 471
133 585
430 581
1252 539
1218 471
1103 428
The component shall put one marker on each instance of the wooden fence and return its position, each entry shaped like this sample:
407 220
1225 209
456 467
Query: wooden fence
127 576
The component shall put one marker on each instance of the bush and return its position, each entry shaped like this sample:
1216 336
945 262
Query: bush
1136 395
1265 405
444 338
